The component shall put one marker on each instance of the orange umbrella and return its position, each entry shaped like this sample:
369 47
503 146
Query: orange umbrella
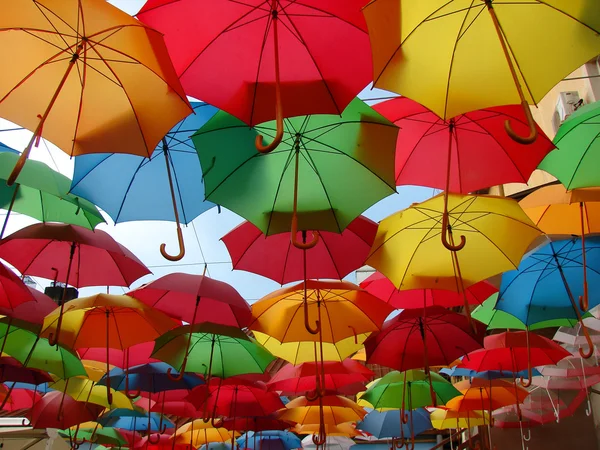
86 76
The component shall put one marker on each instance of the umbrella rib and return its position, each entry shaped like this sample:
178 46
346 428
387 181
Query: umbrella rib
582 157
324 241
287 255
75 184
269 20
176 186
39 6
542 2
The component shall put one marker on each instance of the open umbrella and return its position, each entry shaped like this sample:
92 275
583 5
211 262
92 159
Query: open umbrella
486 54
336 410
165 185
299 58
269 440
578 149
13 292
43 194
80 78
275 257
55 410
197 432
30 311
386 424
86 390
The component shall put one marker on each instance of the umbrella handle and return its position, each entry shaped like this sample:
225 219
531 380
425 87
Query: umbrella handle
590 352
216 424
294 232
258 143
128 393
310 329
529 139
181 254
179 376
154 442
527 437
445 230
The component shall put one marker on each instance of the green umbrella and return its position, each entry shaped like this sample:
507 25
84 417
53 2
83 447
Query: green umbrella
214 350
496 319
409 390
576 160
42 193
103 436
20 340
327 170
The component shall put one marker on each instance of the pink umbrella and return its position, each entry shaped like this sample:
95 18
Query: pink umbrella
136 355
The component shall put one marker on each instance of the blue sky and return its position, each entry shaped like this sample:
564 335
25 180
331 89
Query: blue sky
202 236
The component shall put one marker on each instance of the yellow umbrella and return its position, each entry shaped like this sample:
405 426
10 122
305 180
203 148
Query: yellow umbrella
198 433
80 75
343 429
336 410
408 249
360 355
558 211
86 390
442 419
304 351
95 369
463 55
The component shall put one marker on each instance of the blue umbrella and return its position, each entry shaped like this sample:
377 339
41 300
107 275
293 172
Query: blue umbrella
386 424
216 446
269 440
488 374
41 388
549 279
156 422
167 186
151 377
6 148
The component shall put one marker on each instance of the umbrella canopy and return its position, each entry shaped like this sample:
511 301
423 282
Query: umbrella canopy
332 167
131 356
485 54
425 139
487 374
21 399
12 370
481 395
336 410
443 419
269 440
43 194
86 88
131 187
139 423
578 149
342 309
408 390
290 379
289 58
13 292
256 424
195 299
422 337
55 410
112 321
386 424
275 257
34 311
51 250
213 350
86 390
198 432
299 352
408 251
378 285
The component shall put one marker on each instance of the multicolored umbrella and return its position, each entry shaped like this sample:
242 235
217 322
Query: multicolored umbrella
160 186
275 257
291 66
437 58
89 88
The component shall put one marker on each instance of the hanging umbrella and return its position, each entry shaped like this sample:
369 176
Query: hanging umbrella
442 419
269 440
516 64
333 432
22 399
197 432
96 434
55 410
577 150
427 144
486 395
256 424
336 410
326 172
30 311
274 257
86 390
43 194
407 251
164 185
195 299
131 356
13 370
548 280
135 423
299 352
378 285
86 88
13 292
386 424
487 374
424 337
292 379
212 350
291 66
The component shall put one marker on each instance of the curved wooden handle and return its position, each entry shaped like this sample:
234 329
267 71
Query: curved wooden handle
527 383
532 128
294 231
216 424
181 254
445 230
310 329
311 396
401 442
109 395
153 442
584 299
404 416
258 142
179 376
590 352
128 393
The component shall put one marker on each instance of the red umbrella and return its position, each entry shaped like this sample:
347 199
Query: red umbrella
275 257
421 337
13 370
381 287
482 154
514 351
294 380
195 299
256 424
136 355
464 154
21 399
260 60
33 312
56 410
13 292
51 250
